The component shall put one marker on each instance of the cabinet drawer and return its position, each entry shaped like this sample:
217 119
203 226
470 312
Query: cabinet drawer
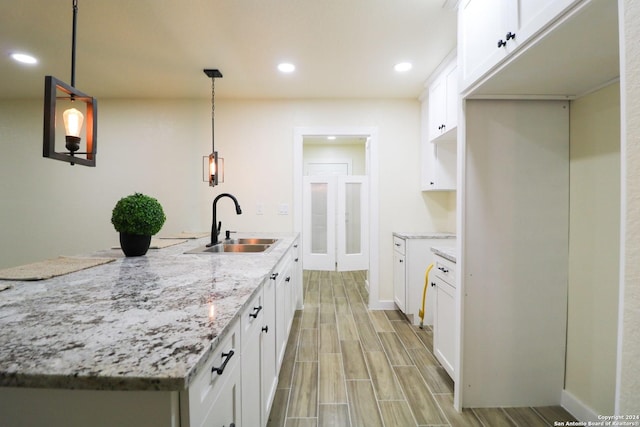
209 383
251 317
399 244
445 270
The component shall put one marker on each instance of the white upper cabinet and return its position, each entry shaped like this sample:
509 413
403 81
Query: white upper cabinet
439 129
443 104
490 30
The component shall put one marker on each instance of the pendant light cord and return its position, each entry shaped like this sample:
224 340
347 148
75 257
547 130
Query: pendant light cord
73 44
213 114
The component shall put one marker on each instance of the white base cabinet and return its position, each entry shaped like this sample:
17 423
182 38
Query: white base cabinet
283 277
444 321
411 257
253 352
214 393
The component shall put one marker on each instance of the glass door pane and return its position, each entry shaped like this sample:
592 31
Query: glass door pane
352 218
319 219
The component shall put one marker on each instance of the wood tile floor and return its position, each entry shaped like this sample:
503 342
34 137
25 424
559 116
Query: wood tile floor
348 366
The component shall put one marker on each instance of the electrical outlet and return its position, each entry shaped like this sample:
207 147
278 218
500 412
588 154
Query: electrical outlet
283 209
260 209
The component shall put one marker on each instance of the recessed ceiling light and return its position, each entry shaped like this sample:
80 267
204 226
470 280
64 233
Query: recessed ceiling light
286 67
403 66
23 58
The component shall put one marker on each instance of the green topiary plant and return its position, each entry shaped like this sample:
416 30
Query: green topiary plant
138 214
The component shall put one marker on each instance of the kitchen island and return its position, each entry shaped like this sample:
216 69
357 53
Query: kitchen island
133 331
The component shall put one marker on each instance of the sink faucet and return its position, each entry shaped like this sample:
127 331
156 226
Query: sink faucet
216 226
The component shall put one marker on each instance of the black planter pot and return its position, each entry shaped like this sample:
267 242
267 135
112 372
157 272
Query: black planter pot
134 244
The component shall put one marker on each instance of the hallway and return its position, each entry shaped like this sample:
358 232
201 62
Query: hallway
348 366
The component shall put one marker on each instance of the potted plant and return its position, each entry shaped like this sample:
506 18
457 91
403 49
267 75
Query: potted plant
137 217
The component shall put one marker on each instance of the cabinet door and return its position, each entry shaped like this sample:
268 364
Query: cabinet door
399 282
225 411
451 98
534 15
443 105
269 374
437 107
444 326
251 363
215 381
439 166
284 301
482 23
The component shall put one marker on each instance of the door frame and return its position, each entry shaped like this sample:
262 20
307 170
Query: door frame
372 162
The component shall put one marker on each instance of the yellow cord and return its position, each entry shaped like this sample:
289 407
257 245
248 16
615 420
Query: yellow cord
424 294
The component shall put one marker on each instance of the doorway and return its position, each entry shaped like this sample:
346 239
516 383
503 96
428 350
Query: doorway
370 170
335 218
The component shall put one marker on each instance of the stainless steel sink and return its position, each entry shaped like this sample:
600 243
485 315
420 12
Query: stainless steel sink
235 248
251 241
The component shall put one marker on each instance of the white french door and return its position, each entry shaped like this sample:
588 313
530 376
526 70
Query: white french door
335 223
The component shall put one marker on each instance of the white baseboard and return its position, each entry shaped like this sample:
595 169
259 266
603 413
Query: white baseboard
577 408
382 305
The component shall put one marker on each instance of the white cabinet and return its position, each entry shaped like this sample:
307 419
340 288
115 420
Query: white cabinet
215 392
269 360
443 105
399 275
226 407
284 303
256 340
411 257
265 329
252 320
490 30
439 166
444 327
296 278
439 118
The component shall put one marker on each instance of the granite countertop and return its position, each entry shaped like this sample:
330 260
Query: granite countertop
445 252
143 323
424 235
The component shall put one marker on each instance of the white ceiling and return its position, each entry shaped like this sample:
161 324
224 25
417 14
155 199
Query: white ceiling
158 48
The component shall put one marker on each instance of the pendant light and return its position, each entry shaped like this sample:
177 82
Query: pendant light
213 166
54 91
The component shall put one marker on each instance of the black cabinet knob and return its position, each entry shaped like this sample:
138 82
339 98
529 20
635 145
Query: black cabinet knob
501 43
510 35
433 283
265 329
